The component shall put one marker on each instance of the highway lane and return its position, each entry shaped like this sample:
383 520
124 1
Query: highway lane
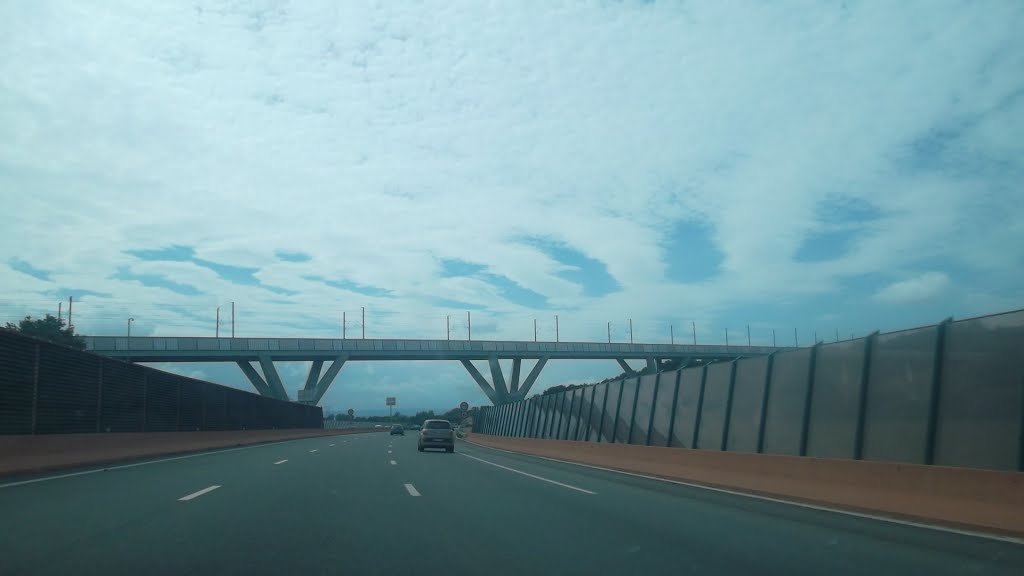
311 508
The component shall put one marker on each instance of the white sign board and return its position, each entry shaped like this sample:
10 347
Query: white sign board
390 401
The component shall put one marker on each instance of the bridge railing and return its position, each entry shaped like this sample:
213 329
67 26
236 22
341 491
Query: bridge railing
950 394
184 344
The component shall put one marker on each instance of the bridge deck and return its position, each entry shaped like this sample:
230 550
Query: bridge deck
162 349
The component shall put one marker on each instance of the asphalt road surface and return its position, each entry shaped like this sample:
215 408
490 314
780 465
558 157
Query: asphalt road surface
371 504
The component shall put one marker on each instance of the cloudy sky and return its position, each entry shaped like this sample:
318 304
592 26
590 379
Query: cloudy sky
692 166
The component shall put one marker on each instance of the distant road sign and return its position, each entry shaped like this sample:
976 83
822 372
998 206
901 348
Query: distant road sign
464 406
351 412
390 401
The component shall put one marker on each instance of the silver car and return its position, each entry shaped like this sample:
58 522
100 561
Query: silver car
436 434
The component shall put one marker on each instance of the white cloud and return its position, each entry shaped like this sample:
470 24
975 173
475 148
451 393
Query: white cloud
915 289
380 138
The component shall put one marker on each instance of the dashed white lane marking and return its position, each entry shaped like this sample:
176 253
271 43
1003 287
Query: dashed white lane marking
146 463
411 490
280 462
330 445
534 476
206 490
393 463
313 450
389 451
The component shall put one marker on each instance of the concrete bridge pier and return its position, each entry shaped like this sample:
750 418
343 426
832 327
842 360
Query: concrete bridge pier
270 384
499 392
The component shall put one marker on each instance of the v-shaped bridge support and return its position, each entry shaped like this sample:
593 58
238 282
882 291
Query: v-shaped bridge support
269 384
498 392
317 385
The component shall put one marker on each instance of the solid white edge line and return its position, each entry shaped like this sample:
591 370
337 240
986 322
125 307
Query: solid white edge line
280 462
313 450
199 493
157 461
985 535
411 490
534 476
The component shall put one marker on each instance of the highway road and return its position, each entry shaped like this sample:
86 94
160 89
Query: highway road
371 504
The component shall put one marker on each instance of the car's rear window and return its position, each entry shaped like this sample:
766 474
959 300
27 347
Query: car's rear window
437 425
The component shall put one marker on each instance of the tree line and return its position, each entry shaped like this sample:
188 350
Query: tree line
453 415
50 328
665 365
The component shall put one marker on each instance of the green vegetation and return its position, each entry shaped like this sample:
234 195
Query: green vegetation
49 328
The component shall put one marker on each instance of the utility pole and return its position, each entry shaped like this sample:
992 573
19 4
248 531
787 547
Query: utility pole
216 331
630 330
469 326
694 326
534 329
726 336
748 334
232 319
60 313
344 324
556 327
796 339
448 325
364 322
672 334
609 332
71 300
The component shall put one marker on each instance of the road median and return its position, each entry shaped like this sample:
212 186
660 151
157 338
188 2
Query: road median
24 454
987 500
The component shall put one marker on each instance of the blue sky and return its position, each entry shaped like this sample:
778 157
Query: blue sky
706 165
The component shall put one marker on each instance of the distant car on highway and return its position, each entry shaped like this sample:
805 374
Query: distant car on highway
379 426
397 430
436 434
